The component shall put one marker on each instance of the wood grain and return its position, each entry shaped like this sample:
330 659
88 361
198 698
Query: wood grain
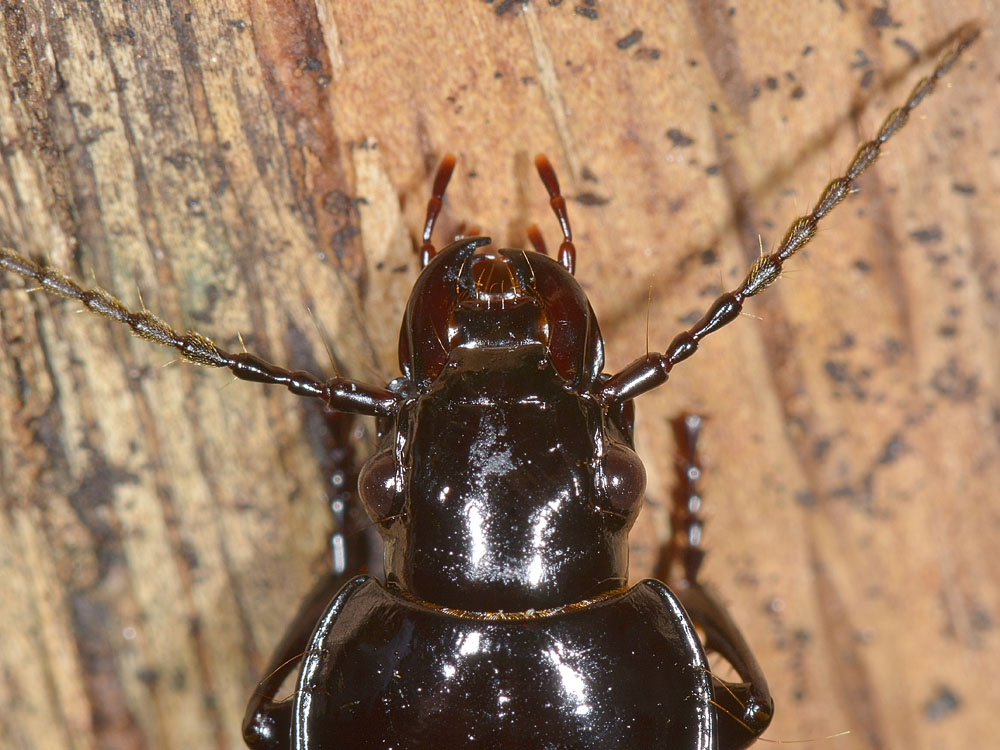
243 164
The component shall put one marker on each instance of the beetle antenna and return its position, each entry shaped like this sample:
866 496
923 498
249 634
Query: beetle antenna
338 393
652 370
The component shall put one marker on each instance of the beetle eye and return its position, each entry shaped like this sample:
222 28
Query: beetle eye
624 477
377 484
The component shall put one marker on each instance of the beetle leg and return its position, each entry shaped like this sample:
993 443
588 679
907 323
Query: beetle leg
745 707
267 722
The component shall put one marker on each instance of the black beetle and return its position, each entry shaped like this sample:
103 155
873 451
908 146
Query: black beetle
504 486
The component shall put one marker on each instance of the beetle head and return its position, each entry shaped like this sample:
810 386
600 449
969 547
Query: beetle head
505 299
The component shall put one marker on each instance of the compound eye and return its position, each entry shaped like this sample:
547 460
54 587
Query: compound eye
378 485
624 478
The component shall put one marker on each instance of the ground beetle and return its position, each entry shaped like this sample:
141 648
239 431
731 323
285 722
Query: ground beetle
504 486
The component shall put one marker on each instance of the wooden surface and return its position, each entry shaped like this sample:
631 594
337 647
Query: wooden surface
241 164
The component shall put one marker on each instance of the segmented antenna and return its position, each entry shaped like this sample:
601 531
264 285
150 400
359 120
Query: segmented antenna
650 371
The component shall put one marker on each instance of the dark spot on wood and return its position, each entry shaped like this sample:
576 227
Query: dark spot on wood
821 448
310 64
647 53
238 24
891 349
503 6
952 383
771 82
586 11
981 619
844 492
866 78
927 234
836 371
188 554
89 502
807 50
846 343
633 37
342 237
712 170
839 372
805 498
148 676
908 48
180 679
941 704
178 159
880 17
338 203
695 315
591 199
678 138
588 175
963 188
893 449
798 92
708 257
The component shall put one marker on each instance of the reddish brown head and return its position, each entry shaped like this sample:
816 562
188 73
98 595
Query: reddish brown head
505 299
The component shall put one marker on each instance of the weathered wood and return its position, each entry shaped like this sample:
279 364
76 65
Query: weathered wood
243 164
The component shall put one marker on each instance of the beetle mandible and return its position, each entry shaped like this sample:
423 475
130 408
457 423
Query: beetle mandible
504 486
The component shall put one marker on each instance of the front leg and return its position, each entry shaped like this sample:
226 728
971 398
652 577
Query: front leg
267 722
746 707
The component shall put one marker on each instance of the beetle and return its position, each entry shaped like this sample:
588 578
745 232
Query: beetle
549 352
